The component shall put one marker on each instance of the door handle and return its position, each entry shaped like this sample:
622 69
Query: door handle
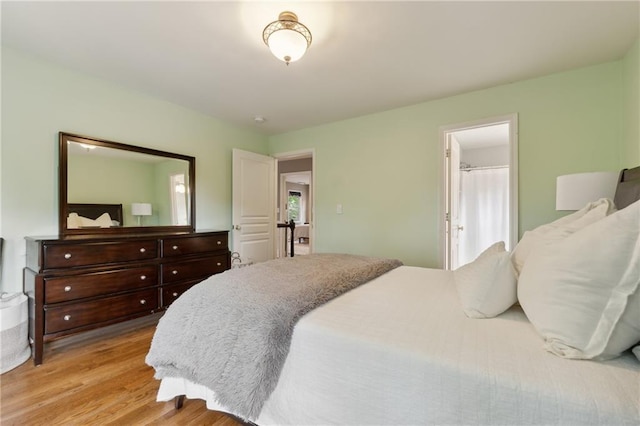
237 227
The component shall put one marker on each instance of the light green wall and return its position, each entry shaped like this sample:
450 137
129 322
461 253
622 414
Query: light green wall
631 88
127 181
385 169
39 99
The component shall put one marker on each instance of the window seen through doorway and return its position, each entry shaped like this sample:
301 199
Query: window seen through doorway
294 206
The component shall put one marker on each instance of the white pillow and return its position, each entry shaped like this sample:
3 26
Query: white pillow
487 286
559 229
582 293
103 221
73 221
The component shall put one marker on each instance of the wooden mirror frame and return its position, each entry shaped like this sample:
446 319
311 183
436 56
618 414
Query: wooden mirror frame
63 209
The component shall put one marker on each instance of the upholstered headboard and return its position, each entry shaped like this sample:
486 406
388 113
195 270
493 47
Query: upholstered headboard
628 189
93 211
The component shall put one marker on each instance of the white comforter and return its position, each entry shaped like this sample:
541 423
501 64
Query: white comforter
400 351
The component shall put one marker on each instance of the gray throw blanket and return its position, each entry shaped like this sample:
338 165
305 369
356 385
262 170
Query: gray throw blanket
232 332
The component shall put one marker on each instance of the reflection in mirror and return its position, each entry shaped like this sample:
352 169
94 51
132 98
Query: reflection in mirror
111 185
178 190
108 176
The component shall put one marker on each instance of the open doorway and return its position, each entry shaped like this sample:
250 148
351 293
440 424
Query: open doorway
179 194
295 201
295 204
480 188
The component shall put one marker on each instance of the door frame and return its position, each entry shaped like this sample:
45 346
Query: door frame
283 197
444 131
294 155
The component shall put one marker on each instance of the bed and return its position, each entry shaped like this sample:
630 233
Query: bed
408 347
94 215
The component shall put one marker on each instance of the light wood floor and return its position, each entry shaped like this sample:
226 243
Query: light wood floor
301 249
96 378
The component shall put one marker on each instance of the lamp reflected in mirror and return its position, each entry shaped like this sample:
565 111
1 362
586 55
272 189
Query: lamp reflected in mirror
139 210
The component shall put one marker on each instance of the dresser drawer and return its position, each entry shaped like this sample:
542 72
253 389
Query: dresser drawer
85 254
171 292
80 314
193 269
178 246
70 287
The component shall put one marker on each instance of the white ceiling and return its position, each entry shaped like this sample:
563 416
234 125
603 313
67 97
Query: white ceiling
365 56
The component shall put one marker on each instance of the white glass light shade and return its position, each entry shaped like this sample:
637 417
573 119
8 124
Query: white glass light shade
141 209
287 45
287 39
573 192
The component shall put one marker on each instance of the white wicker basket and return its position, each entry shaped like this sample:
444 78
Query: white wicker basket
14 331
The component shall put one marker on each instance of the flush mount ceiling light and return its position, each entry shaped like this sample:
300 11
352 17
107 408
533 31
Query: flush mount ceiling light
287 38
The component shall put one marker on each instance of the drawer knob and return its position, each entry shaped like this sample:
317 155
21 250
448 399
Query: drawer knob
219 242
219 264
142 301
143 277
67 288
142 250
175 294
66 317
67 255
174 272
175 247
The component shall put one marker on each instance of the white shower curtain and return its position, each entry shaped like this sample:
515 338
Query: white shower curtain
484 211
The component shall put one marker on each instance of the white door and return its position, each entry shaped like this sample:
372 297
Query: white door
453 193
253 208
452 215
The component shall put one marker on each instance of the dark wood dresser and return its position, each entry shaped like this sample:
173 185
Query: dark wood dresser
79 283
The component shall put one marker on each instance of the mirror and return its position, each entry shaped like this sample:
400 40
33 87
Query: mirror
113 188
